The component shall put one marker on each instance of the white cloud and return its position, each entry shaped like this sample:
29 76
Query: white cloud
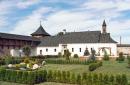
30 23
5 9
24 4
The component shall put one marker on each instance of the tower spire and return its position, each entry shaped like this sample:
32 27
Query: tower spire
104 27
40 22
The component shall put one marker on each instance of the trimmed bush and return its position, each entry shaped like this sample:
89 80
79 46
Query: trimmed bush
61 61
76 56
121 57
94 66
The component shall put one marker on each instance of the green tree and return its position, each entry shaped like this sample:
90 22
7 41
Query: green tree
27 50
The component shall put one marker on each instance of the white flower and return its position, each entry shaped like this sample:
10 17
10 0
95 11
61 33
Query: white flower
28 66
35 66
10 65
22 63
43 62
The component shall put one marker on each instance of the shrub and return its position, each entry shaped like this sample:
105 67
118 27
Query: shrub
76 56
26 60
60 55
128 59
94 66
27 50
121 57
67 54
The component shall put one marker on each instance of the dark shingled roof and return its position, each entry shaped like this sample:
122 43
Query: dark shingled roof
18 37
40 31
106 38
77 37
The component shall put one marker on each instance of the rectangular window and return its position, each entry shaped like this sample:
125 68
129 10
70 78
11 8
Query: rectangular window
80 50
40 52
54 50
46 50
72 49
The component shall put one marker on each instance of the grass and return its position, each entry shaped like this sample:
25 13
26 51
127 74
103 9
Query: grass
109 67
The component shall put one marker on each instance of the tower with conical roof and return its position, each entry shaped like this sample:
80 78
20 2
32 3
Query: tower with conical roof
104 27
40 32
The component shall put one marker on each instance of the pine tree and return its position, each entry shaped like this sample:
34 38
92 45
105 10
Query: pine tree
124 80
68 76
78 79
73 78
111 79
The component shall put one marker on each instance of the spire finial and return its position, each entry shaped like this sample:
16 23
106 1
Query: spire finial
40 22
104 23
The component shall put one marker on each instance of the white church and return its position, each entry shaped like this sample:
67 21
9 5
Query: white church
76 42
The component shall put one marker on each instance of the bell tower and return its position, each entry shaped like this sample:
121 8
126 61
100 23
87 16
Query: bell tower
40 32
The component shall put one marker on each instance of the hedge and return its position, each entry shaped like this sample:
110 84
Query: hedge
61 61
10 61
38 76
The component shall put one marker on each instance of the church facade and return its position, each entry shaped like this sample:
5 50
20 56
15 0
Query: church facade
78 42
43 43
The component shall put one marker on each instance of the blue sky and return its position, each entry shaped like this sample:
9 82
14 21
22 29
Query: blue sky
24 16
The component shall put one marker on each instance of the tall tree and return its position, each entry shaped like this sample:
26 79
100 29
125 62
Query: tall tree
27 50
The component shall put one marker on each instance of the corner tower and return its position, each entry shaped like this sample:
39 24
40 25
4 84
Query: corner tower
40 32
104 26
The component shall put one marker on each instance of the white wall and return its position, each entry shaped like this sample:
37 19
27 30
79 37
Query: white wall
77 47
89 46
49 52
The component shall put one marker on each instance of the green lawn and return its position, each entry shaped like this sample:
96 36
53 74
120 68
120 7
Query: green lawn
109 67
